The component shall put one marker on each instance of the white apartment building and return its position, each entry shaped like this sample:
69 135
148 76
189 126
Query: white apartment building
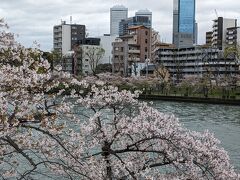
66 35
117 13
106 43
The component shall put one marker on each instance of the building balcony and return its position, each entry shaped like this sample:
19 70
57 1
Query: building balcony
134 59
230 42
57 47
230 38
57 35
57 41
58 30
230 32
134 51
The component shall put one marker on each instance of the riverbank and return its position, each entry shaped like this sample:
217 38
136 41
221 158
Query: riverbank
191 99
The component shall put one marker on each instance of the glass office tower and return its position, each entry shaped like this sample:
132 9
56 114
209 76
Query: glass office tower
186 16
184 23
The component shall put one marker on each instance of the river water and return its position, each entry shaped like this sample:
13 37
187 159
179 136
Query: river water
223 121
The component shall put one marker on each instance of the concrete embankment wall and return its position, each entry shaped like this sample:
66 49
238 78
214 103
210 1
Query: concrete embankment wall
191 99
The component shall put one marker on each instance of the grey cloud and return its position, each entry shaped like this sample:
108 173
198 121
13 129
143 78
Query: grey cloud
34 20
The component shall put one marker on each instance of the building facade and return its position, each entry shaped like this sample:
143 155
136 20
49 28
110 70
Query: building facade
89 58
196 61
145 13
71 62
132 48
89 41
82 61
117 13
133 21
106 44
233 36
184 23
220 31
209 38
65 36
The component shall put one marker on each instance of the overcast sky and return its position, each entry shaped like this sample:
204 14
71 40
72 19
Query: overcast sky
33 20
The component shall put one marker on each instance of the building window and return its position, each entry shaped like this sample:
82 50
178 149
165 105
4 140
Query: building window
146 41
86 66
86 60
146 32
74 27
146 49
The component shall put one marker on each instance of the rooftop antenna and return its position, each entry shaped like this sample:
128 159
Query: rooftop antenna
70 19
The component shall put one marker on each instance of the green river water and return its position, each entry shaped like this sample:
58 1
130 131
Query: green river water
223 121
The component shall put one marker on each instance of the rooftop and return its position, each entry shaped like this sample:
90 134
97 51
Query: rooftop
137 27
118 7
144 11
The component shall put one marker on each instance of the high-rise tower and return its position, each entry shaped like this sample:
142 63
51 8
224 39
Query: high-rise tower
117 13
184 27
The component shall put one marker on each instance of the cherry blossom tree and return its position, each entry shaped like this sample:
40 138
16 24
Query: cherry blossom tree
91 130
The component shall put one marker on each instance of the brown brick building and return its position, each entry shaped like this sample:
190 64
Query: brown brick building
134 47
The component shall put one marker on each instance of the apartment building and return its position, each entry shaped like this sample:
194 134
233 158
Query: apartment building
106 44
65 36
133 21
220 31
134 47
196 61
76 61
233 36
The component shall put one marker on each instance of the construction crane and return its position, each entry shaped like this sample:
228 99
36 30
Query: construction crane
216 13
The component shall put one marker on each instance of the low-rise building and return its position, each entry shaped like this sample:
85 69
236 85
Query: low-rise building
83 60
106 44
209 38
91 56
196 61
72 62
